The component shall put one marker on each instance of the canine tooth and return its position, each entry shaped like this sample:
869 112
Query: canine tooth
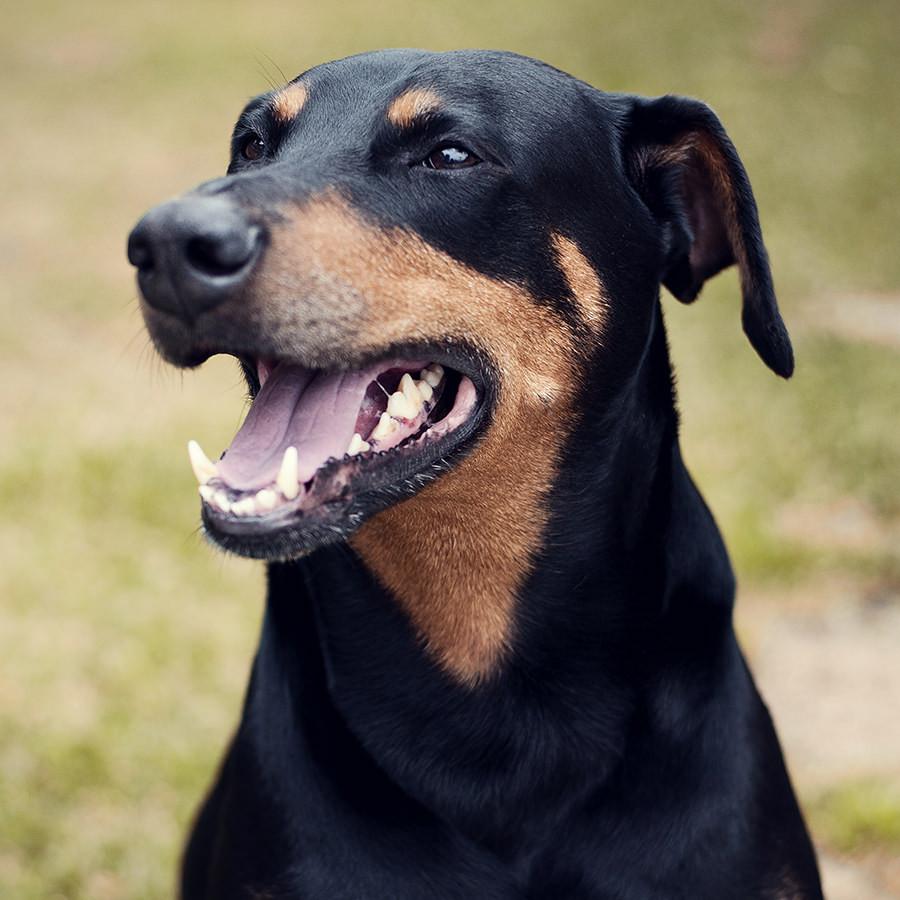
220 498
206 492
386 425
244 507
358 445
266 499
411 392
425 389
203 467
288 474
400 407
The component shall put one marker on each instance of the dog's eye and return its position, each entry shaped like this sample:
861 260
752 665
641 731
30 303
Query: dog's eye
253 148
451 156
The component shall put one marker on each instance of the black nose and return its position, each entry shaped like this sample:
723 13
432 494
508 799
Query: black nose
193 253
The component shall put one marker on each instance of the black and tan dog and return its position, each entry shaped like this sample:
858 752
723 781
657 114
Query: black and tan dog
497 658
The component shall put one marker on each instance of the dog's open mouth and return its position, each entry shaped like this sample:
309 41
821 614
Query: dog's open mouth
315 442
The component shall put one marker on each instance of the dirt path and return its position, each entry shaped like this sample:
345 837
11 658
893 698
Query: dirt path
861 316
827 660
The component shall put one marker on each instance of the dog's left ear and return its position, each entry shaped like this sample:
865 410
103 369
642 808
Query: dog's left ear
688 173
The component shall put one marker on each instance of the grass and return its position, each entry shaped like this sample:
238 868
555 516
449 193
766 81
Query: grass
860 815
125 641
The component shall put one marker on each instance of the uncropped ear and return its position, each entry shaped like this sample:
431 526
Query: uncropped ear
688 173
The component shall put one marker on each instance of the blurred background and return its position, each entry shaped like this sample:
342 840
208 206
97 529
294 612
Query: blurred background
125 641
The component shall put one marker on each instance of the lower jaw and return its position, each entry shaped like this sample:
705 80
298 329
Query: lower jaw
281 542
328 518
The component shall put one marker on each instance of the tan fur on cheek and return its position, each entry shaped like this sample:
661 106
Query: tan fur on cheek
456 554
412 104
583 280
289 101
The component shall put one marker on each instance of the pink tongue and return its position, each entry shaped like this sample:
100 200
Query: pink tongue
313 411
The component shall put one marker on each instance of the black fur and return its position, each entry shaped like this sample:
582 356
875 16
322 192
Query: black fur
622 751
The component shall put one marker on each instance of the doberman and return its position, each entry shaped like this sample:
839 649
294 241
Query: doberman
497 659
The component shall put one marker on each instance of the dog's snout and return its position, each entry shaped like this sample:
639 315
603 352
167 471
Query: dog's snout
193 253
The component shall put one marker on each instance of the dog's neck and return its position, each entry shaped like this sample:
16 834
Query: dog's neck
345 656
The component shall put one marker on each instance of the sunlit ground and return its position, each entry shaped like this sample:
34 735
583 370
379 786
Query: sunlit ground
125 642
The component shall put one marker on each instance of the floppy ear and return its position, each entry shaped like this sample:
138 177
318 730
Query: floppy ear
687 171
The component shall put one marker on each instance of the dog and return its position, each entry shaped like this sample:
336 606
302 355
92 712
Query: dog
497 659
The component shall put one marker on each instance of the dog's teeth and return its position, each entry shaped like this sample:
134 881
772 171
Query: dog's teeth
220 498
206 492
358 445
288 475
412 392
203 467
432 374
266 499
244 507
425 389
400 407
386 425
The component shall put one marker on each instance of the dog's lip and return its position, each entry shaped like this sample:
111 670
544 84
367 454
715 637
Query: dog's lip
341 485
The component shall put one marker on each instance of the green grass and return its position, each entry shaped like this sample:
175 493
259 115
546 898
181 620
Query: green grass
860 815
125 642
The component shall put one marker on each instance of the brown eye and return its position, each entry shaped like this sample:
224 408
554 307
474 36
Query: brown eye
450 157
253 148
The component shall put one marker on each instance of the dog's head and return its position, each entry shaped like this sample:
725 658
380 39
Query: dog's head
421 261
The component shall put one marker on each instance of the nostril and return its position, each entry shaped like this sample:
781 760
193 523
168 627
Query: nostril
223 254
194 253
140 253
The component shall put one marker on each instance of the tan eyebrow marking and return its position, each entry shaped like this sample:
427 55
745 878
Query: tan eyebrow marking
411 104
289 101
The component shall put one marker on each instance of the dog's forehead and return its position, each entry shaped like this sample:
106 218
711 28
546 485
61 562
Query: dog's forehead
477 88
